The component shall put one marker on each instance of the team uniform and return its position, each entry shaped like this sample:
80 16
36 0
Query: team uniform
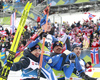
29 65
82 63
60 63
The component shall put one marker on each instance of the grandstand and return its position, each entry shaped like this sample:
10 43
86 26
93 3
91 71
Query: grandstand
72 6
18 7
57 7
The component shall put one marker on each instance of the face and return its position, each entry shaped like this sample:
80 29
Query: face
48 27
94 39
57 49
87 65
36 52
22 44
77 51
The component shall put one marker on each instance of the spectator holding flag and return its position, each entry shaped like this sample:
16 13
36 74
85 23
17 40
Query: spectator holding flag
90 16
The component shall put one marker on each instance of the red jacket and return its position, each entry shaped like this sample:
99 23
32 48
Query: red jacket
25 26
38 19
89 69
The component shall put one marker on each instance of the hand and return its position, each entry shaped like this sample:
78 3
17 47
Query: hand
43 34
49 61
72 58
46 10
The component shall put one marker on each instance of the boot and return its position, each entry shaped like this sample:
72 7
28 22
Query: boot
86 77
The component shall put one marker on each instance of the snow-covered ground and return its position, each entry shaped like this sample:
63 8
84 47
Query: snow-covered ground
59 18
17 75
77 16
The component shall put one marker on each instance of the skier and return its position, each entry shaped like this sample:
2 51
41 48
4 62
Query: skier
76 48
50 38
29 64
58 61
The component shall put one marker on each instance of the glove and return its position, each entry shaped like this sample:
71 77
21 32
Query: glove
43 34
48 60
46 10
72 58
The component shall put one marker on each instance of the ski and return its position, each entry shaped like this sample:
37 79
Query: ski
13 49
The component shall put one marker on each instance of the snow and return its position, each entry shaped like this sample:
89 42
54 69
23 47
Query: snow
16 75
77 16
59 18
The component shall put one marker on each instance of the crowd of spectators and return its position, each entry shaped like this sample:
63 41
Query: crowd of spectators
86 34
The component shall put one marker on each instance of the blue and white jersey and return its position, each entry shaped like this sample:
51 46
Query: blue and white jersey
82 63
31 70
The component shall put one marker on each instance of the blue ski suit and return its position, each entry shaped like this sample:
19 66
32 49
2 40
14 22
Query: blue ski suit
29 65
59 62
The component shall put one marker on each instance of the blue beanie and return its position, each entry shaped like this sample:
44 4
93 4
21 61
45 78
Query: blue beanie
58 43
34 47
75 45
43 21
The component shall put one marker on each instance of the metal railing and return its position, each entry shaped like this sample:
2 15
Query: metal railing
40 7
37 10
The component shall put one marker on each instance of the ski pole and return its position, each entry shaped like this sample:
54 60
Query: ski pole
41 57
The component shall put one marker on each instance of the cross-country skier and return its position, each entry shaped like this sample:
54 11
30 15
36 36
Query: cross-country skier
29 64
58 61
76 48
50 38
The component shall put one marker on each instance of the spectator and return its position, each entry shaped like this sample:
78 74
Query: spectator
38 19
1 5
26 26
10 1
95 43
88 67
7 31
86 42
1 28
